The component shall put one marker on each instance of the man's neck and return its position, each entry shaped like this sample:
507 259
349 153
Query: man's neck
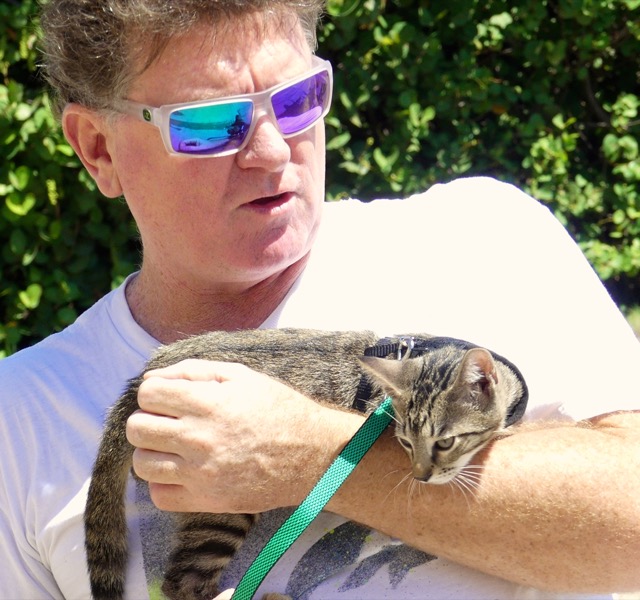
171 312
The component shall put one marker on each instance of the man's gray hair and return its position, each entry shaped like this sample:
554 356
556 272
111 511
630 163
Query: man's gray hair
94 49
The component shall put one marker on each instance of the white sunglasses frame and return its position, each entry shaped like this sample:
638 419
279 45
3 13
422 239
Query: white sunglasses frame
159 116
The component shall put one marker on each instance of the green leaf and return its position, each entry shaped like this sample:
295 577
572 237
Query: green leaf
17 242
65 149
385 162
22 112
338 141
30 297
20 204
29 256
67 315
503 20
610 146
19 178
52 191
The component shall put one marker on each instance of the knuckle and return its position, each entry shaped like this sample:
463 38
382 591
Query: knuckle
139 464
132 429
147 390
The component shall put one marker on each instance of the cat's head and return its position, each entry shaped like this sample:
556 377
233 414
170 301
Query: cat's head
445 407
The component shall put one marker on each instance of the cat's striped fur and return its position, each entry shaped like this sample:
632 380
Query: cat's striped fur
449 402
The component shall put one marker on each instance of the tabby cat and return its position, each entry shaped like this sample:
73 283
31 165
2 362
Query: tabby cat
449 398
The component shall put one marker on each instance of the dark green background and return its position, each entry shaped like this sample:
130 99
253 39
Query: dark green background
543 94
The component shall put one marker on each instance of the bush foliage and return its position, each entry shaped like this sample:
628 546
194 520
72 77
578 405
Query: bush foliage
543 94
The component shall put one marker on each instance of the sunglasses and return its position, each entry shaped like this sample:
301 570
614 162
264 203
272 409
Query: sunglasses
224 126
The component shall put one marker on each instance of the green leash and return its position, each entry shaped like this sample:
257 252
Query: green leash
317 499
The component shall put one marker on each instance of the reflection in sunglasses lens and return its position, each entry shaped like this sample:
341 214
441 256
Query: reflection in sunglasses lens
300 104
210 129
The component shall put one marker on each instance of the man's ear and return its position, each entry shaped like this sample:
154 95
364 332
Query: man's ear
87 132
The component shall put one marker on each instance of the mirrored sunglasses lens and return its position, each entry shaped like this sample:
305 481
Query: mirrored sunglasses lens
210 129
300 105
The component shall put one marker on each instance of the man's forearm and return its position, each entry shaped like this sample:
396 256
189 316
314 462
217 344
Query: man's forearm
556 508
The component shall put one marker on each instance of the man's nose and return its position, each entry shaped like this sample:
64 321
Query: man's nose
266 148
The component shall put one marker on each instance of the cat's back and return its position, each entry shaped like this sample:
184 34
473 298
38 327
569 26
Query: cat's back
322 364
252 345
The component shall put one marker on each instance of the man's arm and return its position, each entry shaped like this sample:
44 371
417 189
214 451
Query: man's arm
556 508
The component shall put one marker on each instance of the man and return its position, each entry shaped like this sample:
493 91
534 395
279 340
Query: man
233 237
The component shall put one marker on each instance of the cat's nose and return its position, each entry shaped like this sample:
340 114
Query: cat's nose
422 472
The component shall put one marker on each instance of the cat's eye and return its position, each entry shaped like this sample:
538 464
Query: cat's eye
406 444
445 443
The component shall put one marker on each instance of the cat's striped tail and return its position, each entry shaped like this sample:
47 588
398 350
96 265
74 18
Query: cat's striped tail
105 522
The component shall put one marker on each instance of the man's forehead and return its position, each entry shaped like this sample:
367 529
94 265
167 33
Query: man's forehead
210 61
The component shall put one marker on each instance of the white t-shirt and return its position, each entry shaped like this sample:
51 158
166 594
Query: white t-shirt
473 259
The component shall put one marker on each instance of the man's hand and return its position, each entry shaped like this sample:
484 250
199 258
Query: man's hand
219 437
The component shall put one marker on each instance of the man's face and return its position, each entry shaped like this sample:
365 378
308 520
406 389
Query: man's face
229 221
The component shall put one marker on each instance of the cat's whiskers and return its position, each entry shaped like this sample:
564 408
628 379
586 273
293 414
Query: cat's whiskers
472 472
411 483
396 487
416 490
393 472
468 481
414 483
463 486
476 472
478 475
394 417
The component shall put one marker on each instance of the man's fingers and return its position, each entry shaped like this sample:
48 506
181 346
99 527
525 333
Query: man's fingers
162 396
199 370
159 467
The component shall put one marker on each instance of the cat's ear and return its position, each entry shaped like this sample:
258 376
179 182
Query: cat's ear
390 375
479 370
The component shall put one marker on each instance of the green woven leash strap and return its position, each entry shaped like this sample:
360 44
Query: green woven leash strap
317 499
